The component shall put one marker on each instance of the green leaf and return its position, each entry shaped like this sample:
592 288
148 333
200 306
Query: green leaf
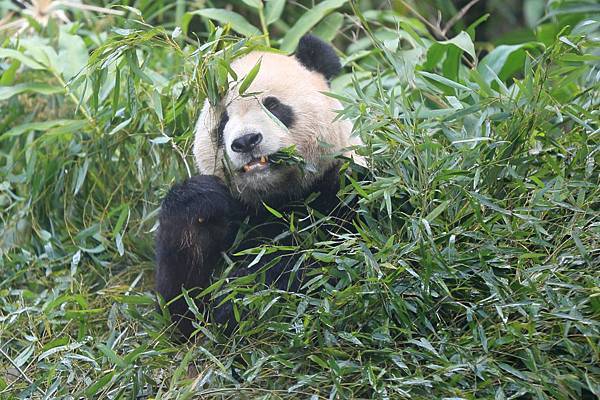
504 61
318 360
99 384
72 54
123 216
81 174
462 41
452 49
576 8
253 3
248 79
451 64
24 356
56 348
237 22
116 92
7 92
273 10
268 307
111 355
17 55
358 188
133 63
443 80
307 21
437 211
156 104
119 127
72 124
9 75
273 211
329 27
533 11
42 53
287 156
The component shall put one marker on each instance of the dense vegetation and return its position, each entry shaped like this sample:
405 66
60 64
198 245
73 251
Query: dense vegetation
474 268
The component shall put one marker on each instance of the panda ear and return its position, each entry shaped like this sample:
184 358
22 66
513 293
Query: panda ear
318 56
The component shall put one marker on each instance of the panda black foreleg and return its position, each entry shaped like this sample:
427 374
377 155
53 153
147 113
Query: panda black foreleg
277 269
195 222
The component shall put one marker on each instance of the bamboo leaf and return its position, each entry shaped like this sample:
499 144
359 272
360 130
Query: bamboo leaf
253 3
273 10
248 79
6 92
307 21
238 23
17 55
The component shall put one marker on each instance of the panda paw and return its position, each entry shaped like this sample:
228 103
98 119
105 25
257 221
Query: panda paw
199 200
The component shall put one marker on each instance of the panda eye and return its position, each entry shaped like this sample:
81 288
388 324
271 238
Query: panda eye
221 128
282 112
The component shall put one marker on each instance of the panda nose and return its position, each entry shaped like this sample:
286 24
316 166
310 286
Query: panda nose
246 143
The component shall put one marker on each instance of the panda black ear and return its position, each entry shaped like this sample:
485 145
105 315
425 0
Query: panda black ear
318 56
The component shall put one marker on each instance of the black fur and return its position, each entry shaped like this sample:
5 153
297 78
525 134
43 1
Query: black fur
221 127
318 56
199 219
194 229
283 112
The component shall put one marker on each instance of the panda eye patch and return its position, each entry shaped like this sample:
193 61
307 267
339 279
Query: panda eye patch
221 128
282 112
271 103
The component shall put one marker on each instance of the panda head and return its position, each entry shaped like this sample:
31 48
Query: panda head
238 140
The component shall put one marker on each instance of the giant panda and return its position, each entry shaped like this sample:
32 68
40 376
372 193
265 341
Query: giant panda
234 147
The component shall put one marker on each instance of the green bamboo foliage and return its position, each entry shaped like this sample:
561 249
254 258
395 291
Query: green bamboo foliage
472 269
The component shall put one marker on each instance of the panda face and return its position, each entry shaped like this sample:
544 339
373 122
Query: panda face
287 107
253 129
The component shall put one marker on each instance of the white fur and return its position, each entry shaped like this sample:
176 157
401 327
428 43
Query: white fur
286 79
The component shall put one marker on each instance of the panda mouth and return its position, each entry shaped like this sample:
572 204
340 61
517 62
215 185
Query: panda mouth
256 164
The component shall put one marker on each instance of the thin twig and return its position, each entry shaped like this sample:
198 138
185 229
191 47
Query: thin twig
21 372
436 29
458 16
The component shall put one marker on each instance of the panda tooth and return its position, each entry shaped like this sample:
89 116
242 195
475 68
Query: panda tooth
246 168
263 159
